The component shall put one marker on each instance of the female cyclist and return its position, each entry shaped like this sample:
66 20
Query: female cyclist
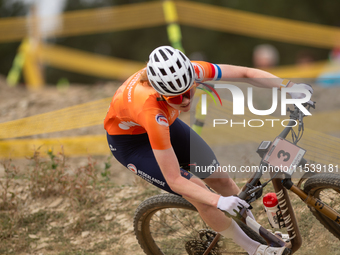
145 135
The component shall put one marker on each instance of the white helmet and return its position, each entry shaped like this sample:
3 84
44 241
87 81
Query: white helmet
169 71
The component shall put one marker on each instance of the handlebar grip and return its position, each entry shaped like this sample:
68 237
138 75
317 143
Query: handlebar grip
242 195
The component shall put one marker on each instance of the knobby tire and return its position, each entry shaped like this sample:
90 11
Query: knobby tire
166 223
325 187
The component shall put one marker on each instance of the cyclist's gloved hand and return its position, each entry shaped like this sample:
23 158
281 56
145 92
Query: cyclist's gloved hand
299 95
231 205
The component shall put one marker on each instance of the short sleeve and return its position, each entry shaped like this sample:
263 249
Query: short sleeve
156 124
206 71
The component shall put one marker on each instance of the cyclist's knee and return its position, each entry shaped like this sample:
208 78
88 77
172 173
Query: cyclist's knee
224 186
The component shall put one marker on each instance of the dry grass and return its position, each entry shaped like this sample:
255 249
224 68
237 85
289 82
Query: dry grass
53 209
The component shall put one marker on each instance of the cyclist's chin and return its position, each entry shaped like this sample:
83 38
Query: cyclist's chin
185 108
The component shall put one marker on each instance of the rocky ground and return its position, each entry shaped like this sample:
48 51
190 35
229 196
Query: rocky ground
56 224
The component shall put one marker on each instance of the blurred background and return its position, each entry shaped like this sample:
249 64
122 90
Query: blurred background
263 34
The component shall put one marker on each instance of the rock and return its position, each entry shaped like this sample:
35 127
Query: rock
76 242
33 236
85 234
56 203
41 246
108 217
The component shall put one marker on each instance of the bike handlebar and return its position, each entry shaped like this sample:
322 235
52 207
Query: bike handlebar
295 115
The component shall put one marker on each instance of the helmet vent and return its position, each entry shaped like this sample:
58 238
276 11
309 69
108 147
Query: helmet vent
179 64
172 69
154 85
185 79
172 85
171 52
162 71
165 57
190 73
180 53
156 58
152 71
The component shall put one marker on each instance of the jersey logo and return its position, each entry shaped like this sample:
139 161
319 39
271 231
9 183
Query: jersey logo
162 120
125 125
132 167
173 112
199 71
112 148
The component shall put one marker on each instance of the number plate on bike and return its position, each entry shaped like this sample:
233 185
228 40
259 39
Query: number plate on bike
284 155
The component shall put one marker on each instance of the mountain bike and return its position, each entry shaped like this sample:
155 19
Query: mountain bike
168 224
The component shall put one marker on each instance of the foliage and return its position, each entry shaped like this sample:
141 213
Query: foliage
52 177
9 8
8 199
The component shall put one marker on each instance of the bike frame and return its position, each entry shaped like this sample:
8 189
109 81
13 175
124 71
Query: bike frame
281 185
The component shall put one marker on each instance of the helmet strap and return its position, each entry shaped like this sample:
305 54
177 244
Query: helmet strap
161 98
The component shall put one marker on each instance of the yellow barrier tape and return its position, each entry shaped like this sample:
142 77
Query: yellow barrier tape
173 29
83 115
13 29
109 67
142 15
312 70
255 25
32 70
170 13
108 19
72 146
321 147
91 64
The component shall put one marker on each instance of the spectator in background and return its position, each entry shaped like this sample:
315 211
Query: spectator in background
265 56
331 76
304 58
334 56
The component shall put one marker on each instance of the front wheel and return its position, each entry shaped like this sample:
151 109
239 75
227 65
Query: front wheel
169 224
325 187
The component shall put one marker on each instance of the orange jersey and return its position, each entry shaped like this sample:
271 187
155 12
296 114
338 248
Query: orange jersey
134 108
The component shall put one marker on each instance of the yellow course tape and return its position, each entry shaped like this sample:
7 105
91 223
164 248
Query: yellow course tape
91 64
256 25
83 115
100 20
149 14
321 147
312 70
173 29
72 146
115 68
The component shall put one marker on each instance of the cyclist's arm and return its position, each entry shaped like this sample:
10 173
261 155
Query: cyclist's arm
256 77
169 166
